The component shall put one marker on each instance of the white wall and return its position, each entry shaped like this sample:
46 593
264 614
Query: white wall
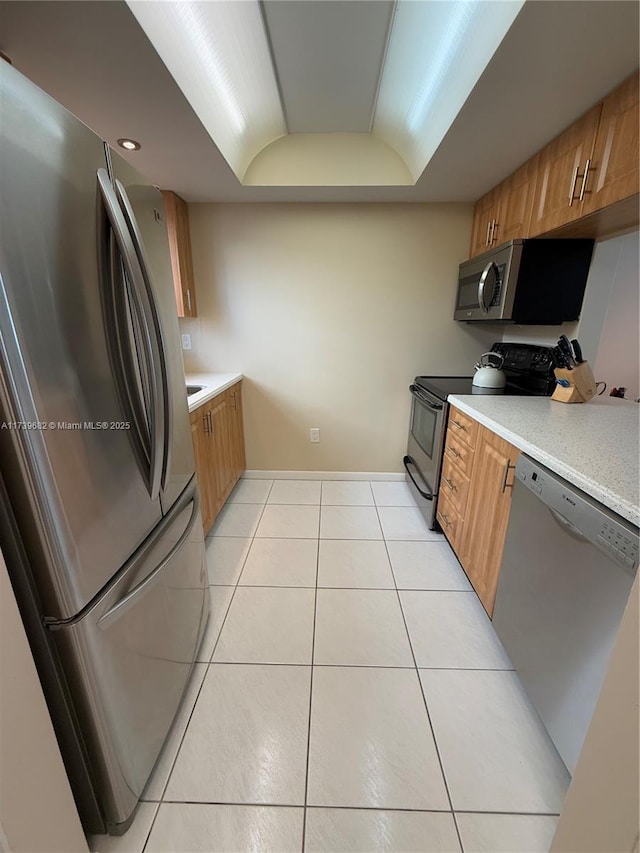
37 810
330 311
618 355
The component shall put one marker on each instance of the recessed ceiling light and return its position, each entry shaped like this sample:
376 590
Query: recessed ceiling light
129 144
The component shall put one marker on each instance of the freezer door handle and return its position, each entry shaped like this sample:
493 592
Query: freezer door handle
150 338
131 597
153 314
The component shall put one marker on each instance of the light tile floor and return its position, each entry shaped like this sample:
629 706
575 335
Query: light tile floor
350 695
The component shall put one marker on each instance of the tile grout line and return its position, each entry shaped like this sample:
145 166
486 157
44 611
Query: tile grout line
206 664
313 643
337 807
237 583
424 699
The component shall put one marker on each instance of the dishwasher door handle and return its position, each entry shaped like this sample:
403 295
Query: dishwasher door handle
565 525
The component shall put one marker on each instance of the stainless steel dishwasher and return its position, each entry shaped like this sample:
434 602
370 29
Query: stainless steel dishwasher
567 570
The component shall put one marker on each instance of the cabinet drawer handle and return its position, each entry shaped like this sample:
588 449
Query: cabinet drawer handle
458 425
445 518
507 468
574 181
451 485
453 452
583 188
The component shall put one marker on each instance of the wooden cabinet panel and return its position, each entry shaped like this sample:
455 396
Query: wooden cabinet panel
200 436
487 514
450 521
454 485
176 214
237 430
614 168
560 173
462 426
221 456
485 213
516 196
218 446
460 452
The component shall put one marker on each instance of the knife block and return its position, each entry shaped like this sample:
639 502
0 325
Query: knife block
582 384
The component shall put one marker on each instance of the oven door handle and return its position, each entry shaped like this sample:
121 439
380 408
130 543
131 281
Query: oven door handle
415 390
427 495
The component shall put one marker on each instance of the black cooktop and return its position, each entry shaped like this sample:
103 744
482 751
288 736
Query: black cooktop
528 368
443 386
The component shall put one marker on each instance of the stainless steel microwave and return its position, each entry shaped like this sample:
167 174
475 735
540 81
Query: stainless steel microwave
534 282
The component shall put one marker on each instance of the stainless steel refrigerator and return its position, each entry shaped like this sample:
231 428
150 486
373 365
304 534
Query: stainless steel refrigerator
99 516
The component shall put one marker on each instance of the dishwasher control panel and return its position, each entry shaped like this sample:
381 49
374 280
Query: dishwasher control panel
582 516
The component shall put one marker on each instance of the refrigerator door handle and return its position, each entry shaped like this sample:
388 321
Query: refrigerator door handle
189 496
154 321
131 597
151 341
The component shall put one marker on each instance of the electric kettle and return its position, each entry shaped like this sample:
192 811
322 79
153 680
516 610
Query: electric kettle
489 375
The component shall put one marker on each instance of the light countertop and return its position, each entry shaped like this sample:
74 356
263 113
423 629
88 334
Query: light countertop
592 445
212 384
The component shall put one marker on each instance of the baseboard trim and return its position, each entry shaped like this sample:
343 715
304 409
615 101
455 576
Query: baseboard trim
322 475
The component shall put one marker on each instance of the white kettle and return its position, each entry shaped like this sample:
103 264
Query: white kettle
489 376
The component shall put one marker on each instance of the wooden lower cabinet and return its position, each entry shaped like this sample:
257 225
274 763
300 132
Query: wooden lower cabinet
474 505
218 446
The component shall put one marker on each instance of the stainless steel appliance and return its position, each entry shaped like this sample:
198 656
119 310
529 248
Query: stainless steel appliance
528 369
525 281
99 520
567 570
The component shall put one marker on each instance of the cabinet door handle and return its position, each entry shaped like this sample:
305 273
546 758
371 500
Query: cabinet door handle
205 420
188 299
453 452
451 485
507 468
583 188
210 422
574 181
494 232
488 237
458 425
445 518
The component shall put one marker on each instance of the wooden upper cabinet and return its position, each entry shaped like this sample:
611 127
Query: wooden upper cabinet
516 203
177 216
487 513
560 175
505 213
485 213
614 168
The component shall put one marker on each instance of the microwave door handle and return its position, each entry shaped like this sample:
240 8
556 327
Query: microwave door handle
482 285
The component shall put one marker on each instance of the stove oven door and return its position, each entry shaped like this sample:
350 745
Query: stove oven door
424 450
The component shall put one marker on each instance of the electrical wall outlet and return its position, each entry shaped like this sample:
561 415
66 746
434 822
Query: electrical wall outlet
314 434
186 341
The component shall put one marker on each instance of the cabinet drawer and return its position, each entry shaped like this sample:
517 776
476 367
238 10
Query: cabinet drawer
454 485
450 521
459 451
463 427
